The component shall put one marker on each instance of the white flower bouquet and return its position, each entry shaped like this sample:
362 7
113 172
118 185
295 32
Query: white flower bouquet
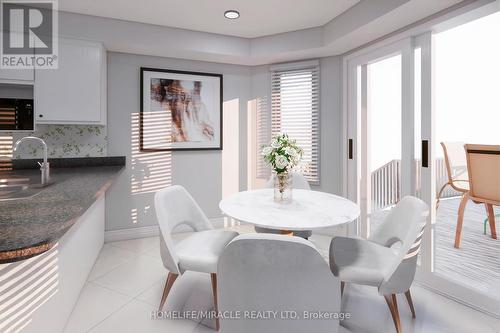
282 155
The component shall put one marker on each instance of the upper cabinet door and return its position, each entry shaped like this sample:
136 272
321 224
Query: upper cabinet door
75 93
13 76
16 75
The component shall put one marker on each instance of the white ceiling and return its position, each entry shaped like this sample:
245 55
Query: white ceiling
363 23
258 17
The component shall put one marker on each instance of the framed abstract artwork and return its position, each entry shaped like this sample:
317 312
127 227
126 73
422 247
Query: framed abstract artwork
180 110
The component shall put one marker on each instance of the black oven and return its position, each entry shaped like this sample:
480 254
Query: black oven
16 114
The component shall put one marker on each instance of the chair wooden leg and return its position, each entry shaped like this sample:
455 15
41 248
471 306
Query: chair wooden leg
168 285
393 307
213 277
491 219
410 303
342 286
460 219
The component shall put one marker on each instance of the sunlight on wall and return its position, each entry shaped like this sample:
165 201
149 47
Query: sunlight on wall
151 171
24 287
133 215
258 134
231 150
6 142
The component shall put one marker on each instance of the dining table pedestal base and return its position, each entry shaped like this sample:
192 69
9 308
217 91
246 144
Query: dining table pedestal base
303 233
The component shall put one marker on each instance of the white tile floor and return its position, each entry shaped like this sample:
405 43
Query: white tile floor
126 283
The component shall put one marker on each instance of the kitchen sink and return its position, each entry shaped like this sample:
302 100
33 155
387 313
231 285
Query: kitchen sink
15 188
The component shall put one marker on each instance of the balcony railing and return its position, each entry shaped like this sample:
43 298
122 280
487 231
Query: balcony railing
386 183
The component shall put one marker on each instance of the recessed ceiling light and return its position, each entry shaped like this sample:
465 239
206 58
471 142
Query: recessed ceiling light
231 14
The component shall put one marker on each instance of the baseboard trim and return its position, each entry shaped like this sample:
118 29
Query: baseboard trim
132 233
149 231
456 299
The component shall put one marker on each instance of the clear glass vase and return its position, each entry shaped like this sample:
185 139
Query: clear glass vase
282 187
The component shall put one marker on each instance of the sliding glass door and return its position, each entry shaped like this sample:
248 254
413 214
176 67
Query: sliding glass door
466 110
393 149
381 164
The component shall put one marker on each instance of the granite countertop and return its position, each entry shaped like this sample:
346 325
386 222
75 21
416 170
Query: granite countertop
31 226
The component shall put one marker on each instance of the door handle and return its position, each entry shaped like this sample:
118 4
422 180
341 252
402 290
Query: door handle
425 153
350 149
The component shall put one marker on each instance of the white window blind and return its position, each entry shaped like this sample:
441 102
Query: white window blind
263 135
295 111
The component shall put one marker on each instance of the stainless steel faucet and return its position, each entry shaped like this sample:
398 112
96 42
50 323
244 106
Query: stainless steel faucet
45 166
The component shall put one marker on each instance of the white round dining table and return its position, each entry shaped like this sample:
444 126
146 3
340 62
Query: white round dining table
308 210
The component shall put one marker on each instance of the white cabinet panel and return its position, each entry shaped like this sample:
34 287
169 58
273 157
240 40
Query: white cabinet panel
75 93
53 280
9 75
16 75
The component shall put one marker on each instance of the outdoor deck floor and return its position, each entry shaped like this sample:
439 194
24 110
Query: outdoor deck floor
477 263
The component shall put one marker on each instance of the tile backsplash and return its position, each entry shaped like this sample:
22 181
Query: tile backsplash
64 141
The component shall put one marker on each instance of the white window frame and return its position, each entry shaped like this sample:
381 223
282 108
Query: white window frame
313 65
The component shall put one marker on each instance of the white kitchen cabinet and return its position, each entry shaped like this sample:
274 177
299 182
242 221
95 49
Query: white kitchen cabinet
54 279
75 93
20 76
16 75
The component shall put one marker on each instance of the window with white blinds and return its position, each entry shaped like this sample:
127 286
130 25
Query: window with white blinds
263 136
295 111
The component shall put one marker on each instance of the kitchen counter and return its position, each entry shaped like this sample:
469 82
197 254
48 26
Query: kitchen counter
31 226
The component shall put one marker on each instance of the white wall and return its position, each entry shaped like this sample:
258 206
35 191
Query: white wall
129 203
331 125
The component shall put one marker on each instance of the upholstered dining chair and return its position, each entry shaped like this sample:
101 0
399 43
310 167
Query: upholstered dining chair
456 168
198 252
483 162
276 274
388 258
298 182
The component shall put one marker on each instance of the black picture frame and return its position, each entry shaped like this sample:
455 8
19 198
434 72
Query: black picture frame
141 114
